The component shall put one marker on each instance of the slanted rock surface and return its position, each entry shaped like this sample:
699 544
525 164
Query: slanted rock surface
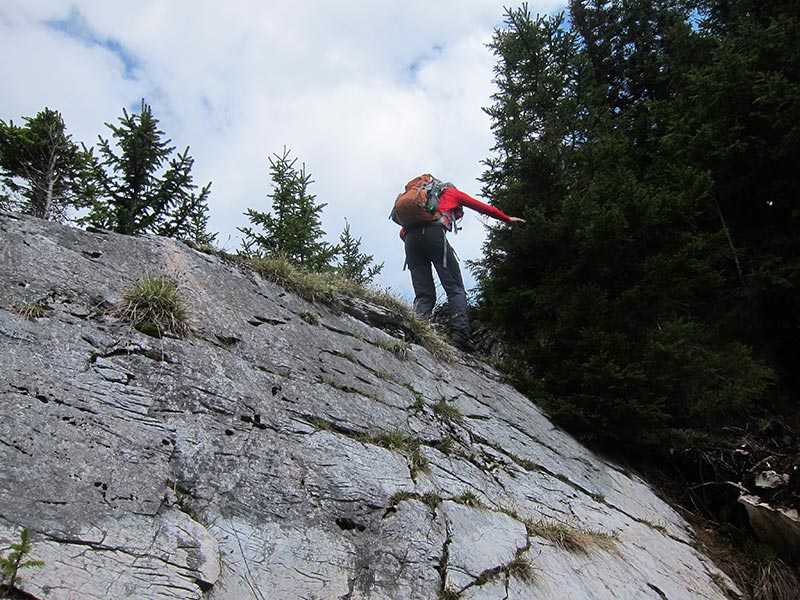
288 450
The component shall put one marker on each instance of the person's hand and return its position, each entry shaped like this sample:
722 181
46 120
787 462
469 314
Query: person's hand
515 220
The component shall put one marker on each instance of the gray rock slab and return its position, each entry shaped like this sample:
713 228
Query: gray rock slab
480 541
286 449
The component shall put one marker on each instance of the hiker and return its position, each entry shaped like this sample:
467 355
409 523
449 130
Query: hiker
427 210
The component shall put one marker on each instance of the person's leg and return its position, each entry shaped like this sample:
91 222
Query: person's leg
424 290
450 275
419 264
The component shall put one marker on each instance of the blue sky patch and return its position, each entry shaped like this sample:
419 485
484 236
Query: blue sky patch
76 27
416 65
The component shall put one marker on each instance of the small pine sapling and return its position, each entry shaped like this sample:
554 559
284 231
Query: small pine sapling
16 560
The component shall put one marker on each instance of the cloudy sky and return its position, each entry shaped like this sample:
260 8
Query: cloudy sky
367 94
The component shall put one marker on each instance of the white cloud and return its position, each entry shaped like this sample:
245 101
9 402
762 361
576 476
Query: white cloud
366 94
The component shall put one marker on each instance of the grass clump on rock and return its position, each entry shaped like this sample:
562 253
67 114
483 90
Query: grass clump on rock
154 306
572 539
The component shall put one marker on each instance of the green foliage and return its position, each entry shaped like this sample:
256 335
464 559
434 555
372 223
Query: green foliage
418 461
142 188
641 296
431 499
154 306
446 445
395 439
293 230
16 559
399 497
42 171
352 263
447 412
398 440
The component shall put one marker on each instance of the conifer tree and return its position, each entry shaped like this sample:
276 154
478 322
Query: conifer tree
617 295
743 131
43 170
143 188
293 229
352 263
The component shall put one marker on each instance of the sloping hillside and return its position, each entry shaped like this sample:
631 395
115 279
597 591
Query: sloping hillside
288 450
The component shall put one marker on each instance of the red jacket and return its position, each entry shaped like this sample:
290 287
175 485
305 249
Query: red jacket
452 199
451 203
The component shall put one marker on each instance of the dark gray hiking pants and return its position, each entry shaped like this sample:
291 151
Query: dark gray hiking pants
425 246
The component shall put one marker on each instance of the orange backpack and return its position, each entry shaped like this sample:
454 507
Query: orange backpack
419 203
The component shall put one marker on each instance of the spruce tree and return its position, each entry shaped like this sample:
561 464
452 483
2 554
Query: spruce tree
616 295
43 170
293 229
353 264
743 131
143 188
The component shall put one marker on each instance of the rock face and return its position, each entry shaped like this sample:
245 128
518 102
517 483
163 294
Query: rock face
287 450
776 526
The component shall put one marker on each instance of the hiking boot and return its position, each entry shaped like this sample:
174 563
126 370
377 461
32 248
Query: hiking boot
462 341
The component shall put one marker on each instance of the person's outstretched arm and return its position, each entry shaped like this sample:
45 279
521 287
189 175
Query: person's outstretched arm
456 197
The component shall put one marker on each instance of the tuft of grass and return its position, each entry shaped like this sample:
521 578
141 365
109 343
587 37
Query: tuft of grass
659 528
393 440
446 445
572 539
447 412
320 423
398 440
721 582
598 497
386 376
311 286
309 318
418 461
529 465
520 568
771 577
32 310
431 499
154 307
399 348
326 286
525 463
419 401
468 498
400 497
